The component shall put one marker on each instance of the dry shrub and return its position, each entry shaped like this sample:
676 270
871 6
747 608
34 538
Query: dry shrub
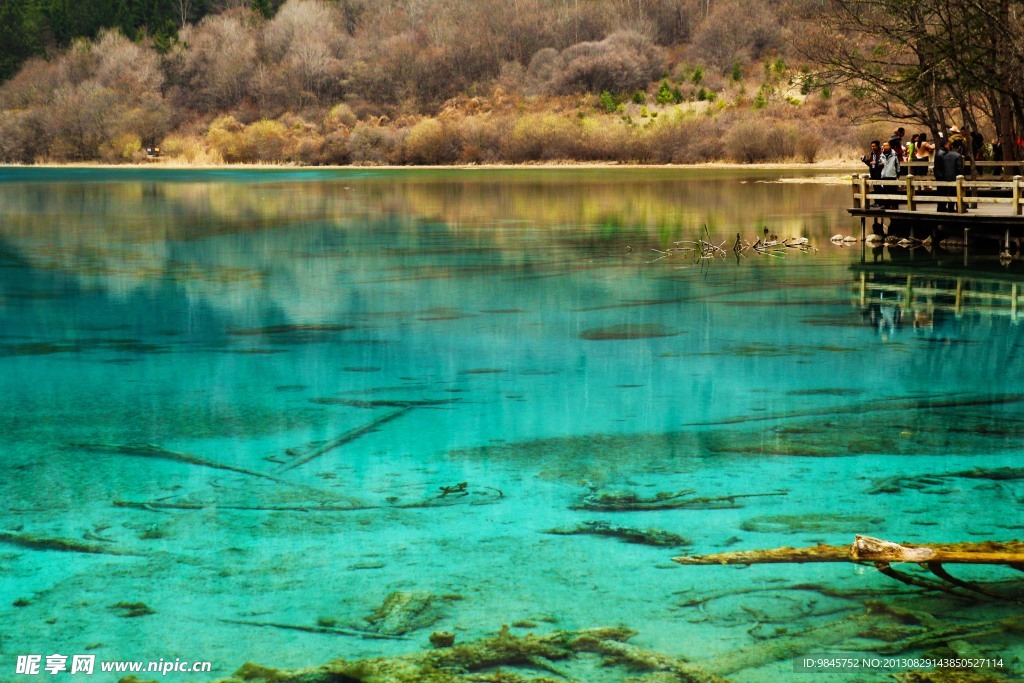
541 137
304 45
808 146
215 61
123 148
340 116
265 141
756 139
190 149
481 137
622 62
225 136
335 148
33 85
127 67
431 142
736 30
604 139
81 121
747 142
373 145
686 139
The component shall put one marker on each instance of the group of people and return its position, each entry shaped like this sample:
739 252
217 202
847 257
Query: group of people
892 159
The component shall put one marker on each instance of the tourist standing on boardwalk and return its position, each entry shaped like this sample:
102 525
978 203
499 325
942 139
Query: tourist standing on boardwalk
908 156
923 151
896 142
890 170
953 166
940 172
873 159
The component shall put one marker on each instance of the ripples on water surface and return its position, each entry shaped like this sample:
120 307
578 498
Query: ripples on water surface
273 374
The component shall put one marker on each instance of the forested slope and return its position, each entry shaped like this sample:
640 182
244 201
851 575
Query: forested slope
427 81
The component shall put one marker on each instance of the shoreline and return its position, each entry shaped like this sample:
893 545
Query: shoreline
828 165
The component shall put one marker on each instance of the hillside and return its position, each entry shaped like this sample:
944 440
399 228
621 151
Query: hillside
420 82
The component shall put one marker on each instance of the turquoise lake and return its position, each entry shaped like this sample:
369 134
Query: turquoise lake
246 401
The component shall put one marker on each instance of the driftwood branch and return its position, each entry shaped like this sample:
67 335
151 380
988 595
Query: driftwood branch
874 550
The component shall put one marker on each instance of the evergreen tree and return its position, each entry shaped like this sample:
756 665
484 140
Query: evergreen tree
263 7
20 36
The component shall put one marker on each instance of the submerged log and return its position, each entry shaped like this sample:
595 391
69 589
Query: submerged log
874 550
937 402
350 435
156 505
157 452
655 537
331 630
628 501
66 545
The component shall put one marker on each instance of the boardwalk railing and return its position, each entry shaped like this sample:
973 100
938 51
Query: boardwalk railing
995 170
923 190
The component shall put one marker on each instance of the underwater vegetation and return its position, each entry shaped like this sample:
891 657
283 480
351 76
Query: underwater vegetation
606 653
628 331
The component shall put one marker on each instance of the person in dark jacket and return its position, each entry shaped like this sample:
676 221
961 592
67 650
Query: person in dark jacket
940 151
896 143
953 166
873 160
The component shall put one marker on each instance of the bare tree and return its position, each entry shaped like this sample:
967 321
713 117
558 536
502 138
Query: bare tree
934 62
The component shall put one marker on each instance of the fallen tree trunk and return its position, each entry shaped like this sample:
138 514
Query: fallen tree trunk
874 550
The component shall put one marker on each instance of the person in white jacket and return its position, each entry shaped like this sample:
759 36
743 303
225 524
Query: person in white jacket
890 171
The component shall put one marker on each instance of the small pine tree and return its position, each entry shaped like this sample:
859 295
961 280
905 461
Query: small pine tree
639 97
609 102
702 95
698 76
737 72
665 95
760 100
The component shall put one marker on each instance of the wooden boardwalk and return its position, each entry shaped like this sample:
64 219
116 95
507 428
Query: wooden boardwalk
981 208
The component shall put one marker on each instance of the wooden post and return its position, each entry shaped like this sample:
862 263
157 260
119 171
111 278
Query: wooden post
1016 196
863 191
960 195
910 193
